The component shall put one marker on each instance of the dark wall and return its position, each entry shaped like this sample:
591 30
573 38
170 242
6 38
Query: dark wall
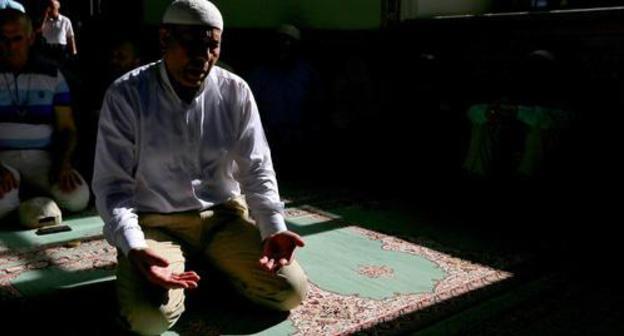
428 72
424 75
479 55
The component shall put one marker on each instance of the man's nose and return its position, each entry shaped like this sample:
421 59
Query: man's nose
199 52
199 59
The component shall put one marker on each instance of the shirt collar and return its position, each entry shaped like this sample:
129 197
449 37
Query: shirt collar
209 82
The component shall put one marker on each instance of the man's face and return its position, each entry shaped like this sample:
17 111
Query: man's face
190 52
285 47
123 59
15 41
54 9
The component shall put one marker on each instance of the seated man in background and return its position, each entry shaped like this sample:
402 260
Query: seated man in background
290 98
124 56
37 129
516 134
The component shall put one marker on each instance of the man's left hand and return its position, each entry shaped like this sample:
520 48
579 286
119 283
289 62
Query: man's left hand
67 179
279 250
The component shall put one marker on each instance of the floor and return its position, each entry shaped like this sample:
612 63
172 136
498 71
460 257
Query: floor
570 287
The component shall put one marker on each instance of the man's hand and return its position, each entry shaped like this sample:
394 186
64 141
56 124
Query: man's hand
279 250
67 179
156 270
7 181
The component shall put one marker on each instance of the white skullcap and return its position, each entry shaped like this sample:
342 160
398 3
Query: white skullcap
38 212
193 12
544 54
290 30
12 4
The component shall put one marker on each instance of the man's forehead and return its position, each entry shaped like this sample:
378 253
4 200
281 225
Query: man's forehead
13 28
196 30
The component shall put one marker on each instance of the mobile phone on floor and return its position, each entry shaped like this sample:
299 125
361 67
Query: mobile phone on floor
53 229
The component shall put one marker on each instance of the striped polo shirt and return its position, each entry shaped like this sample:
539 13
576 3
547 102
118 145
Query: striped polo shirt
27 102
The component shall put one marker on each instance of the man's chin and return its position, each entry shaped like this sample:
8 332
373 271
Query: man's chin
194 80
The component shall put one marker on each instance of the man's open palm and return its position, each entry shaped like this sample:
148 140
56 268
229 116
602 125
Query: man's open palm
156 270
279 250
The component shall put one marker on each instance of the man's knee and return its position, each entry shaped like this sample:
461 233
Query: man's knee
146 308
290 292
151 320
292 296
75 200
9 202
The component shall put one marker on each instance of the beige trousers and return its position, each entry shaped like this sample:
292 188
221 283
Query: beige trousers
222 236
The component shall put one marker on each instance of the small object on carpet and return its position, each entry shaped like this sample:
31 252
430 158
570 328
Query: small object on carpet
52 229
73 243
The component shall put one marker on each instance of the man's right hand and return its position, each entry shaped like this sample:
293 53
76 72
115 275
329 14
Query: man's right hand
7 181
156 270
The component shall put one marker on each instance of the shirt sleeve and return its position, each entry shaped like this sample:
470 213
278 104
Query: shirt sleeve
69 30
256 173
62 97
113 176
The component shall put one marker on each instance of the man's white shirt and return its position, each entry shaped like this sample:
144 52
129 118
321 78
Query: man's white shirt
156 153
57 30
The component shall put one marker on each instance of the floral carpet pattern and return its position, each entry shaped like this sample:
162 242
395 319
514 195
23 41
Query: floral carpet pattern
326 312
72 257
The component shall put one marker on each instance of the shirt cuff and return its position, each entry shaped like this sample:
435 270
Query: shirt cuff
131 238
271 224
